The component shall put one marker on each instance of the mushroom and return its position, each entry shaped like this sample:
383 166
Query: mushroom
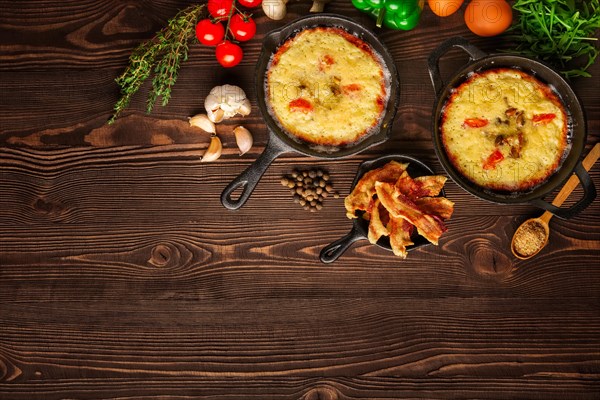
274 9
318 6
226 101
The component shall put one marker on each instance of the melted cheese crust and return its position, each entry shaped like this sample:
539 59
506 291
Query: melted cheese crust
326 87
511 152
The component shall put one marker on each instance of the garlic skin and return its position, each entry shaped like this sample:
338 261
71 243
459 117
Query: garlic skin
243 139
213 151
224 102
203 122
275 9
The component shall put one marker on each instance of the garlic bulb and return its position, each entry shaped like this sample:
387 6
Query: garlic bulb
274 9
201 121
243 139
226 101
214 150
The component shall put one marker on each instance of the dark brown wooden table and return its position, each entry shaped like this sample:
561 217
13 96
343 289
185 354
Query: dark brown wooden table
122 276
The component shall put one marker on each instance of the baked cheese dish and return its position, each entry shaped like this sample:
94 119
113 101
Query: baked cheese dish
326 87
505 130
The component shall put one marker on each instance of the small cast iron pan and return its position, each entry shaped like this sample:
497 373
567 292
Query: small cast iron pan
279 141
480 61
360 226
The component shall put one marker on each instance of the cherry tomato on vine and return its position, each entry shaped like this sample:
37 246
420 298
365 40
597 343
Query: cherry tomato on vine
242 28
219 8
228 54
209 33
250 3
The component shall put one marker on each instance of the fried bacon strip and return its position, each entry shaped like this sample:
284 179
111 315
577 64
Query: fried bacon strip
422 186
400 232
430 185
376 227
428 226
363 192
438 206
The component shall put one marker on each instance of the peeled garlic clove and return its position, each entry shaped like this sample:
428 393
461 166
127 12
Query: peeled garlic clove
243 139
214 150
203 122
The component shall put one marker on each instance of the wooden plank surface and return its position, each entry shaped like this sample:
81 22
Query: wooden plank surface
123 277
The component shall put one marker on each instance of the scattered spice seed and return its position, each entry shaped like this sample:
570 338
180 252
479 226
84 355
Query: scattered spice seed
309 187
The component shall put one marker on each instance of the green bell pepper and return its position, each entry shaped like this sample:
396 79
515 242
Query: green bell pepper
393 14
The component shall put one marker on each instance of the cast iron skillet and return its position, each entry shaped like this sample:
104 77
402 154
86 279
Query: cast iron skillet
360 226
279 141
577 127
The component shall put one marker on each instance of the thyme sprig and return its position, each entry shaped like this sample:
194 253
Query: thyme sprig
161 55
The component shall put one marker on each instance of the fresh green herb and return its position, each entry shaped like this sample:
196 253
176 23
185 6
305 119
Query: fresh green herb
162 55
560 32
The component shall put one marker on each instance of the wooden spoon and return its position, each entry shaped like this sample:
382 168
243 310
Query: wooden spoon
536 230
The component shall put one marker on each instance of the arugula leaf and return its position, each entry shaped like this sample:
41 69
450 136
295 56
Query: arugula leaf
560 32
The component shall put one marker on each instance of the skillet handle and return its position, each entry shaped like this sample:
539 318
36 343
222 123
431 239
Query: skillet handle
433 62
589 194
332 252
248 179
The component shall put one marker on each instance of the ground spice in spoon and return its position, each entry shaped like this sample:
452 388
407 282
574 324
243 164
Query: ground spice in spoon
529 238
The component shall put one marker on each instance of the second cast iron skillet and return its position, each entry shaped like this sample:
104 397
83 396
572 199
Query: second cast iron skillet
279 141
577 133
